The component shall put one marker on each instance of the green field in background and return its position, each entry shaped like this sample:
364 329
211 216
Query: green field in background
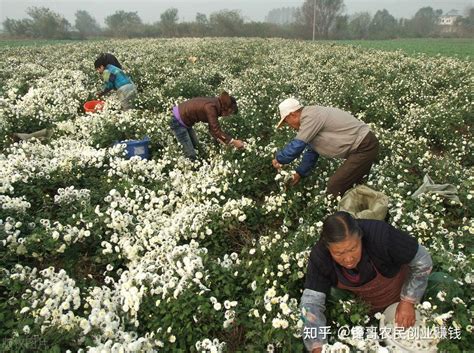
461 48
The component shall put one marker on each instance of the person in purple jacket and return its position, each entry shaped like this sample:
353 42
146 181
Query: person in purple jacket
203 110
329 132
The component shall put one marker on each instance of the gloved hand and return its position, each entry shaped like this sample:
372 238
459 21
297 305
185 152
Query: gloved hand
295 180
238 144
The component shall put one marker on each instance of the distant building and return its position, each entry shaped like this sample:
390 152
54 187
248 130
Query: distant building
448 21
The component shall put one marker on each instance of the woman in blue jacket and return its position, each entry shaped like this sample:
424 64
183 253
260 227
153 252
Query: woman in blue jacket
115 79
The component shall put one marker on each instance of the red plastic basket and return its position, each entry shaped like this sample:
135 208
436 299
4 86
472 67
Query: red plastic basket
93 106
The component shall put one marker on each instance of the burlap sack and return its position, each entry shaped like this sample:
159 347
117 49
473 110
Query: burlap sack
41 135
363 202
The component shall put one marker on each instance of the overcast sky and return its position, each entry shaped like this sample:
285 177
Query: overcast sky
150 10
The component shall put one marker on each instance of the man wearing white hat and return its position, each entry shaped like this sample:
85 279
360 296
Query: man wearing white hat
329 132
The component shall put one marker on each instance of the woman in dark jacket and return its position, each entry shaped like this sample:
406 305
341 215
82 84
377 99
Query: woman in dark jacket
375 261
207 110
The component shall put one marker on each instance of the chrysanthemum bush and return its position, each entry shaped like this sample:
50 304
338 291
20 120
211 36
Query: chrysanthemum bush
102 253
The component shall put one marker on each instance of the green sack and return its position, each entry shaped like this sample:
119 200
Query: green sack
363 202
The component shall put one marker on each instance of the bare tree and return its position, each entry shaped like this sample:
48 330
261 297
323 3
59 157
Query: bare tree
359 25
424 23
169 21
320 15
123 23
383 25
86 24
226 22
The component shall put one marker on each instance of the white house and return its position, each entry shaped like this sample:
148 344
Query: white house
448 21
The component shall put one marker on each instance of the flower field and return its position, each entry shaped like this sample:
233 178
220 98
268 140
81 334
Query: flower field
99 253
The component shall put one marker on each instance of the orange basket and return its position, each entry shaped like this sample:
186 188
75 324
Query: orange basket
93 106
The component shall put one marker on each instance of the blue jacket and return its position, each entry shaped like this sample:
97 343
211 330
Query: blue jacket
114 78
293 150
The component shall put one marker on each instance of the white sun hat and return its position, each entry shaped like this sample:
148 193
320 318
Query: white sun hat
286 107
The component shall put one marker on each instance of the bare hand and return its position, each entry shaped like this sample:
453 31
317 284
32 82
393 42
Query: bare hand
238 144
405 314
295 180
276 165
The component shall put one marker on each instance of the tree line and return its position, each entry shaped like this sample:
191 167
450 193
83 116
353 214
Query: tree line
326 21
